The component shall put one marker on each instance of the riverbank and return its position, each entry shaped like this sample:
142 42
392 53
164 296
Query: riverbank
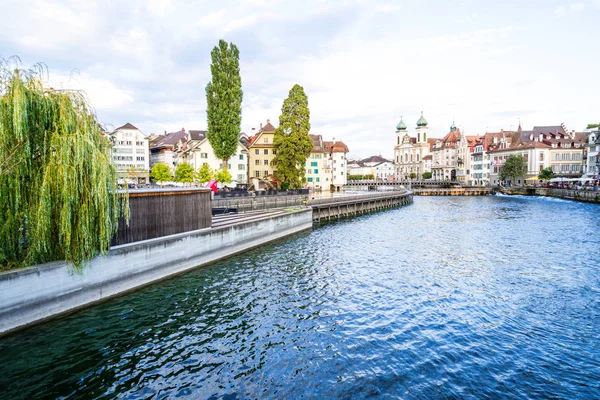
458 191
587 196
37 293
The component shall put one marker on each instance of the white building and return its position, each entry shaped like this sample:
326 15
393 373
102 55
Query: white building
410 152
130 153
544 146
195 149
336 152
593 145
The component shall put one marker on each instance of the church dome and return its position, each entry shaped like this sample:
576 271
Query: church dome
401 125
422 121
452 127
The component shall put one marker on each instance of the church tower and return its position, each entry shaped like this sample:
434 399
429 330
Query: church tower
422 129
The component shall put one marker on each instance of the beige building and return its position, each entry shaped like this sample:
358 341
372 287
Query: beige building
260 155
130 154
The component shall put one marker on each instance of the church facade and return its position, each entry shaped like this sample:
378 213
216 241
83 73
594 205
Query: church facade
410 152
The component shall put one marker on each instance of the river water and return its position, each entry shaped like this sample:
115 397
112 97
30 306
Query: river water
451 297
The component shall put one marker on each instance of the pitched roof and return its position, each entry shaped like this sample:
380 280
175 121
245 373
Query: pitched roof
374 159
335 147
317 143
269 128
170 139
127 126
196 134
428 157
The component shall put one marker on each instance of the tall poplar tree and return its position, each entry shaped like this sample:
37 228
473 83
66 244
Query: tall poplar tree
292 143
224 101
58 185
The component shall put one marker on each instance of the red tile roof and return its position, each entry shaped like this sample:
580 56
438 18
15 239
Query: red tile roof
335 147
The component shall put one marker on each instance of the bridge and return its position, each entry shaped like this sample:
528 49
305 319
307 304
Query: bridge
376 184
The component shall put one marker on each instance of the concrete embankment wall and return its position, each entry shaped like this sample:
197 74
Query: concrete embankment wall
36 293
588 196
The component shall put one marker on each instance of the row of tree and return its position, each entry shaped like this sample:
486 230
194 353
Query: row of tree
184 173
224 110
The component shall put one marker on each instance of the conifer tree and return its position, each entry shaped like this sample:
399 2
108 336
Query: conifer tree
292 143
224 101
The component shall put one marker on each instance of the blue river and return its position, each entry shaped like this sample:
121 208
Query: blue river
451 297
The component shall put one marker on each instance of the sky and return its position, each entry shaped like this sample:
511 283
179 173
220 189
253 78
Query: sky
364 64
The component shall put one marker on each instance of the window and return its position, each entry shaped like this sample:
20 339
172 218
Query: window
266 140
203 155
316 171
266 151
310 179
541 156
256 162
257 151
242 166
241 156
140 151
257 174
265 173
314 164
318 179
140 158
240 177
266 162
274 151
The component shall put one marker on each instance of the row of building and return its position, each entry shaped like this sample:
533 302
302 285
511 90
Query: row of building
134 155
477 160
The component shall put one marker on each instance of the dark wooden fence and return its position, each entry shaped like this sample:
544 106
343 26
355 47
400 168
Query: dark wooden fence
156 213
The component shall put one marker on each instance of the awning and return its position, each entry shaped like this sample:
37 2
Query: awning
533 178
559 179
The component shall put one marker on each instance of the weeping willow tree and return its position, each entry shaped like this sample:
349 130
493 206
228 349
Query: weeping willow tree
58 186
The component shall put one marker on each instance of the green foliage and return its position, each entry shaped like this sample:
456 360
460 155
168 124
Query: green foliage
514 167
292 143
285 186
546 174
223 176
592 126
412 175
361 177
161 173
203 174
224 101
184 172
426 175
59 197
133 172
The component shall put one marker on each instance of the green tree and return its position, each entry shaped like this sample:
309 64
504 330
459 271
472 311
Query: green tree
292 143
592 126
412 175
224 101
223 176
184 173
426 175
133 172
161 173
514 167
59 198
546 174
203 174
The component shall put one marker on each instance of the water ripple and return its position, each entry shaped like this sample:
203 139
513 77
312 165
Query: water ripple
448 298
